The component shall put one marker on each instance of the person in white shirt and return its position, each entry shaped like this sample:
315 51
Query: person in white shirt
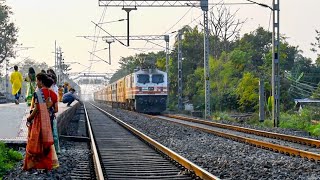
54 86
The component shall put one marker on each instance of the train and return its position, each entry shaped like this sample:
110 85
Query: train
144 91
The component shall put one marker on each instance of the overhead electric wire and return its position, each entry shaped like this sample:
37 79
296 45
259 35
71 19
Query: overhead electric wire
310 92
304 84
95 42
177 21
298 94
109 34
165 33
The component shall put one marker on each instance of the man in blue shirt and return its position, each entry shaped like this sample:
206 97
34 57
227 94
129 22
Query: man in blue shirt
69 97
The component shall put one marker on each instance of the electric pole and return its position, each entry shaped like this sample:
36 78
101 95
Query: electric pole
204 7
180 106
276 64
109 41
128 21
166 38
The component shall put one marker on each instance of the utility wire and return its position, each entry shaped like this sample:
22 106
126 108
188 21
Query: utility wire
178 21
109 34
171 27
96 42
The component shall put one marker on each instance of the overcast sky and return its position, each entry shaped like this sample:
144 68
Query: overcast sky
41 22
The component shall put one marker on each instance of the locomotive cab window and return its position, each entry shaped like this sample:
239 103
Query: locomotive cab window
143 78
157 78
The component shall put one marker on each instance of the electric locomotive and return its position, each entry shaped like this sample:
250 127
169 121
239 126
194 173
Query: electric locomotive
143 91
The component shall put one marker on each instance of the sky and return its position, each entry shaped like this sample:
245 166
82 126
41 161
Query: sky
42 22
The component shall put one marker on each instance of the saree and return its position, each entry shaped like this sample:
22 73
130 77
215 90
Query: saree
30 90
40 151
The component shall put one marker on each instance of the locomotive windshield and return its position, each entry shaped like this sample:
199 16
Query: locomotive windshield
157 78
143 78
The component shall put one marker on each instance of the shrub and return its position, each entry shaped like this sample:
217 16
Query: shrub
315 130
8 158
222 116
296 121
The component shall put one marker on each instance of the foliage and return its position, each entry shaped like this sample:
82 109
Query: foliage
8 33
316 47
37 66
296 121
315 130
218 116
257 44
316 93
8 158
247 91
234 72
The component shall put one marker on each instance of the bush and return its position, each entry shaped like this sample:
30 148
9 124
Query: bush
315 130
218 116
296 121
8 158
267 123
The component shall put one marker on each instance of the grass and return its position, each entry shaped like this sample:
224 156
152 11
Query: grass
288 120
8 158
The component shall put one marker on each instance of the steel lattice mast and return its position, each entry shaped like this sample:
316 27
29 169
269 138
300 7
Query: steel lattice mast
276 63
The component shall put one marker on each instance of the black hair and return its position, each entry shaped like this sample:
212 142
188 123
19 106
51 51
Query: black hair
46 81
51 71
15 67
43 71
53 77
71 89
31 70
32 74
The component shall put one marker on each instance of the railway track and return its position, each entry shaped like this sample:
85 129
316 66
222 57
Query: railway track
126 153
281 143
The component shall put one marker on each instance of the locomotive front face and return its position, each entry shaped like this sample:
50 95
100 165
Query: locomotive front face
151 91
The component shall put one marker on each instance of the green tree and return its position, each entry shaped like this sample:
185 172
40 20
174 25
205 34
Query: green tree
316 93
8 33
257 44
37 66
247 92
316 47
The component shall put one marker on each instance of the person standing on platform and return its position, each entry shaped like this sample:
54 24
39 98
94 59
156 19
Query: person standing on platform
60 93
31 85
53 75
40 150
70 97
16 81
65 88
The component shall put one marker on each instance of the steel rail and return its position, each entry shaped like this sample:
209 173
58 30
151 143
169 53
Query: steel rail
96 159
260 144
203 174
295 139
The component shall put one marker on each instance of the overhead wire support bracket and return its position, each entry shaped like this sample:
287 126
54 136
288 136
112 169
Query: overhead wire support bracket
99 58
137 37
108 33
149 3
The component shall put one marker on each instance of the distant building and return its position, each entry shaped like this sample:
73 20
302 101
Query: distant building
300 103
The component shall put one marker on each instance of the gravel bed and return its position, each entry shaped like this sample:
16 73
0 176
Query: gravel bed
275 130
222 157
71 154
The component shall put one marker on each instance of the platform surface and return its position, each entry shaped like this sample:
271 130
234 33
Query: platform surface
10 119
13 119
